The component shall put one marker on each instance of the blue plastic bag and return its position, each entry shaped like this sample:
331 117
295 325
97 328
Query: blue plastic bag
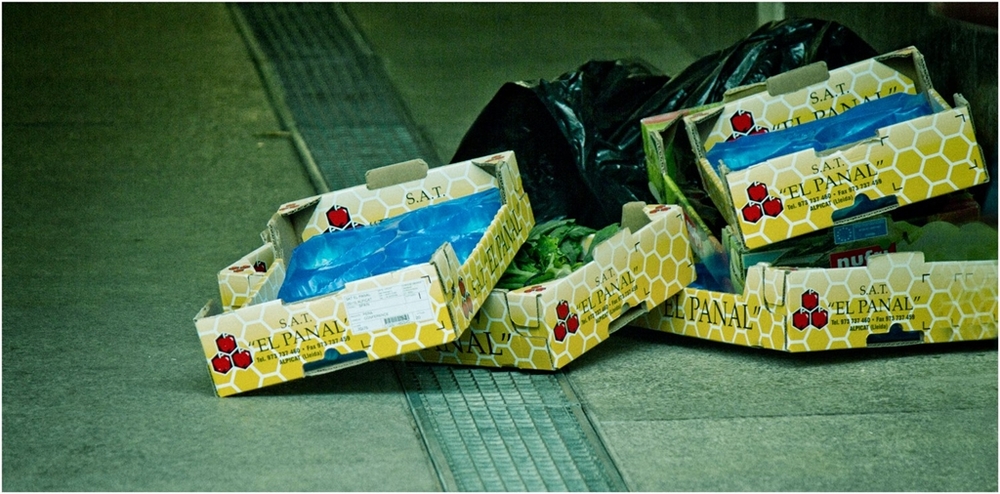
853 125
325 263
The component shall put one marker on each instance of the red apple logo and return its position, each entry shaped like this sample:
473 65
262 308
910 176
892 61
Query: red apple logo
562 310
226 343
760 203
757 192
221 363
810 299
230 354
242 359
810 314
752 213
568 322
742 122
772 207
338 217
573 323
466 298
743 125
560 331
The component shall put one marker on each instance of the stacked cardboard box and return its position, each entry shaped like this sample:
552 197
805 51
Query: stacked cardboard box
890 298
806 261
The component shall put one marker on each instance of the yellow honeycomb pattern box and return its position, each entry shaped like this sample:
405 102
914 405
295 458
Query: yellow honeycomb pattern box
896 299
266 341
236 281
547 326
798 193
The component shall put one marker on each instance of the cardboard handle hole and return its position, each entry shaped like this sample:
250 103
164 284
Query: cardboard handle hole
864 207
895 336
333 360
627 315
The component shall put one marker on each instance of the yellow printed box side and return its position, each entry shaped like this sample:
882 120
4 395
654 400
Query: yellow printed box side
549 325
795 194
897 299
738 319
271 342
491 341
504 237
237 280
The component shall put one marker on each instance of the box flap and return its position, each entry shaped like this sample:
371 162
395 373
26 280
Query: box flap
290 208
909 62
798 78
503 167
783 83
265 289
406 171
282 235
634 216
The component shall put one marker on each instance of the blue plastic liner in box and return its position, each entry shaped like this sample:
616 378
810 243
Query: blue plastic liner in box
325 263
855 124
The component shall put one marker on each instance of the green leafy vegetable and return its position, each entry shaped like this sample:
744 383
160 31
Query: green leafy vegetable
553 250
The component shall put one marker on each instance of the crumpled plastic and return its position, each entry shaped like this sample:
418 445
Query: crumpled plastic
326 262
578 137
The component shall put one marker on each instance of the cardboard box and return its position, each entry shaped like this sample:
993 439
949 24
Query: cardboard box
667 150
897 299
806 191
661 134
266 341
851 244
549 325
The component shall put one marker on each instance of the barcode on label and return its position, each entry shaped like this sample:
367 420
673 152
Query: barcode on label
389 321
388 306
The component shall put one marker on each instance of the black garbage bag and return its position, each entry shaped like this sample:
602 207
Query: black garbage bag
578 138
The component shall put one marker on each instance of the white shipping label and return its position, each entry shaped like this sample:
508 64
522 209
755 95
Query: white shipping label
389 306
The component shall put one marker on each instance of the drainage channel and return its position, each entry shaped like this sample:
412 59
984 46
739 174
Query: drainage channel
484 429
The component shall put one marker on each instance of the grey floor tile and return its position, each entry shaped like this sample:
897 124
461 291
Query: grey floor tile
874 452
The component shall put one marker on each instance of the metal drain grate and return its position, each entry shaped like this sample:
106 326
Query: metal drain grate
339 98
500 430
485 429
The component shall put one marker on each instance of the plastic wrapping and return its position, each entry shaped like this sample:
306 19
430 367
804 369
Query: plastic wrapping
578 137
325 263
855 124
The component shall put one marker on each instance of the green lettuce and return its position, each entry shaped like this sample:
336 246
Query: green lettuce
553 250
